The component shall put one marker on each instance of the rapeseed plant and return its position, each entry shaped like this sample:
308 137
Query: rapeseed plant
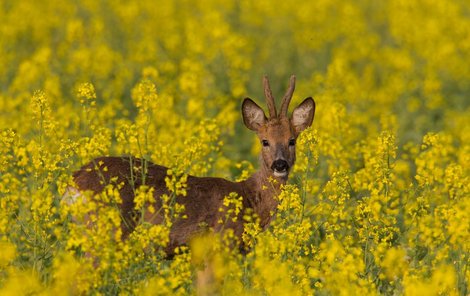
379 199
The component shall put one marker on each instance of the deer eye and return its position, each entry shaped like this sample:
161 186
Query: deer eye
265 143
292 142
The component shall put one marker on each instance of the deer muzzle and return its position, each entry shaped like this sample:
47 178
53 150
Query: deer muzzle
280 168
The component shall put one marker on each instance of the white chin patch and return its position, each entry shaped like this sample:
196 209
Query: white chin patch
280 174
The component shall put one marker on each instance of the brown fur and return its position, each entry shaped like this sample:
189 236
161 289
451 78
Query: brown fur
204 195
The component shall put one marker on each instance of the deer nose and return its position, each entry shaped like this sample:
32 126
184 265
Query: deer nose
280 165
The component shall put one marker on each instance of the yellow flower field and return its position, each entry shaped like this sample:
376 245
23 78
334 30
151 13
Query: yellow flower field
379 199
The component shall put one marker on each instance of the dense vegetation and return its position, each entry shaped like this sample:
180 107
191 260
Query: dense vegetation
378 202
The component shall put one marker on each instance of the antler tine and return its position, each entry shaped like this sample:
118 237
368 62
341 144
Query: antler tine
287 96
269 98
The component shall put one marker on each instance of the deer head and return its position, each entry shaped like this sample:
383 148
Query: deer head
278 132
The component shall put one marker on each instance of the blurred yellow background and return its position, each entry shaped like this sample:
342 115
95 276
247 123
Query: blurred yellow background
379 201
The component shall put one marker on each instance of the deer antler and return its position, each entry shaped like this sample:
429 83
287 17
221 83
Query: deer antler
287 97
269 98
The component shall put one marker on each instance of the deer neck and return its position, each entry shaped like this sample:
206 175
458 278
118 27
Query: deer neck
261 190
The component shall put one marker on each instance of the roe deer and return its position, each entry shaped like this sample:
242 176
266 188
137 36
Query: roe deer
277 134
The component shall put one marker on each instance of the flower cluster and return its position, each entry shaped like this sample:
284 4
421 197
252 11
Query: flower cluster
377 203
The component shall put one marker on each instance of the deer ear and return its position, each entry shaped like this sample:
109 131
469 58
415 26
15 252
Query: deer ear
253 115
302 116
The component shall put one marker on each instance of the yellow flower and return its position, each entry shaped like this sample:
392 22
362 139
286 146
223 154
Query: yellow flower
86 94
394 263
